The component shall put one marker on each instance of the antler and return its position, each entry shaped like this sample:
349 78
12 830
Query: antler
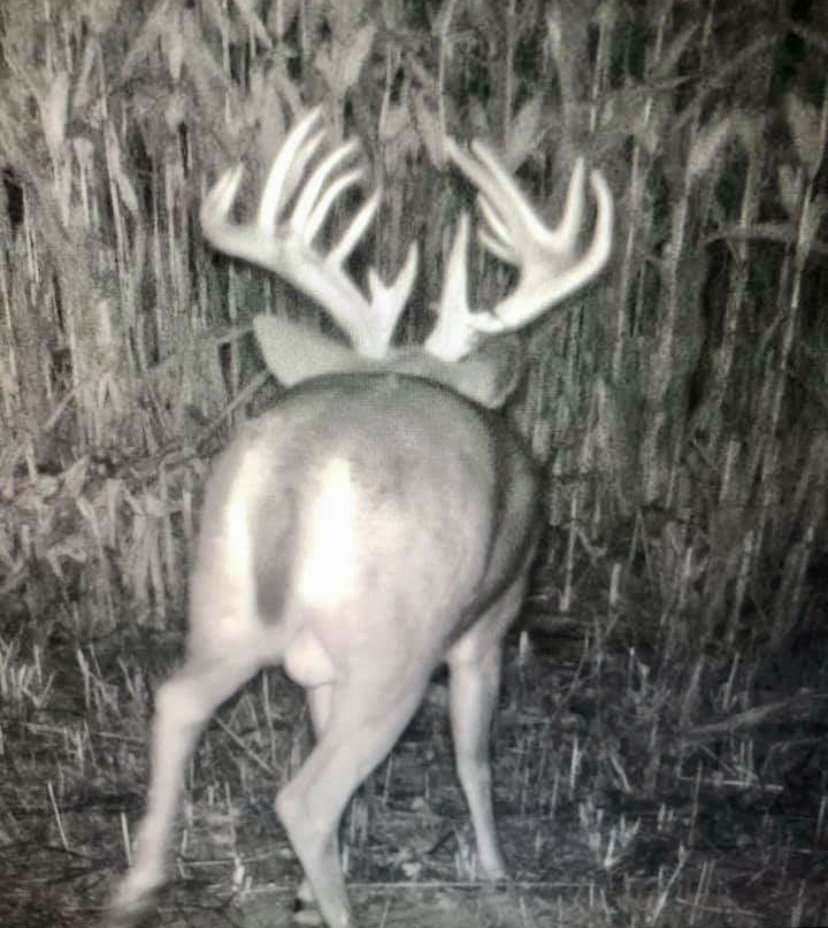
286 247
549 266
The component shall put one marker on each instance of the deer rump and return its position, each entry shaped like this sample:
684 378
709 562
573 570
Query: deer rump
363 516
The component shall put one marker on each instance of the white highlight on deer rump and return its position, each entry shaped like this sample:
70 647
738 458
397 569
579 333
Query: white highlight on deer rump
328 576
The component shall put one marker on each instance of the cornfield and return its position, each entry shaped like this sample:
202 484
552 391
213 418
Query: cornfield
679 406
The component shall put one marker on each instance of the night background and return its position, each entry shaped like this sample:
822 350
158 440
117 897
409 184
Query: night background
660 753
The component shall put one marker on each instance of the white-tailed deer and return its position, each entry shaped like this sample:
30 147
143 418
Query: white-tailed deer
378 520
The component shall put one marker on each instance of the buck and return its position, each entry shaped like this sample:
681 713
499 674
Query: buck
379 520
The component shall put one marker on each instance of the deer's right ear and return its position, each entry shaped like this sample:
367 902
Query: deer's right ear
293 352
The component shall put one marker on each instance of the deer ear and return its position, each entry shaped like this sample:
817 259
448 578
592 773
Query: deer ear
293 352
487 377
490 375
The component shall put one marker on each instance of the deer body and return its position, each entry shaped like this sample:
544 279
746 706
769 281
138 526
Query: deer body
378 521
346 515
344 536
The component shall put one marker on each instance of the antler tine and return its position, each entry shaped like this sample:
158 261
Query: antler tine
388 300
545 282
319 193
286 246
505 209
215 211
356 228
295 154
454 334
550 269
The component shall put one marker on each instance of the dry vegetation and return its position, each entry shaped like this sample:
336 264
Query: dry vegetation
661 751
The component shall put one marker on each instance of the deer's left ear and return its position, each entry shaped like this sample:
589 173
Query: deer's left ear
487 377
490 375
293 352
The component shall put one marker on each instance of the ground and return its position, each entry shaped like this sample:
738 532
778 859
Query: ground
621 800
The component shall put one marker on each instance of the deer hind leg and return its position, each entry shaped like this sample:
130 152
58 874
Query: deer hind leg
474 685
183 706
319 704
369 710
